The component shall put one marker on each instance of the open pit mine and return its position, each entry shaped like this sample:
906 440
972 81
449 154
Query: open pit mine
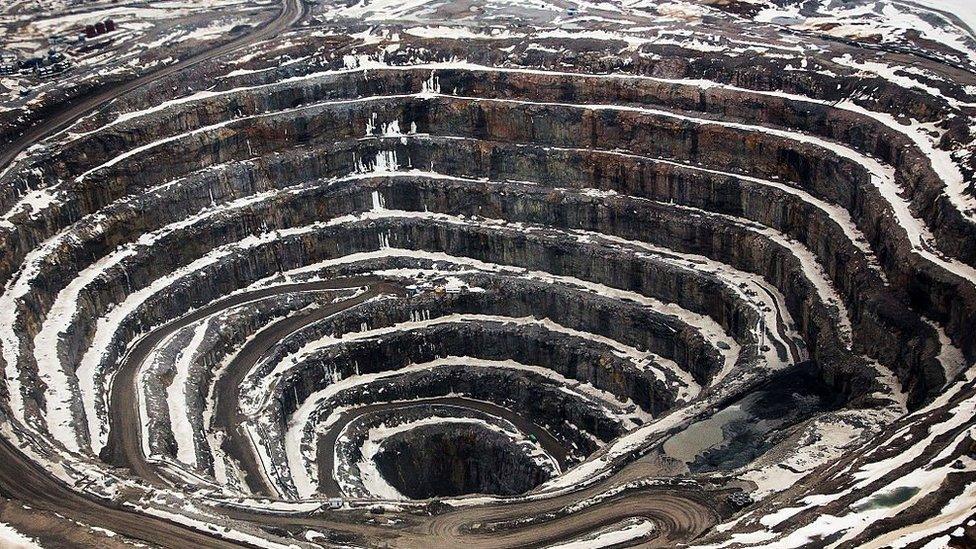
496 274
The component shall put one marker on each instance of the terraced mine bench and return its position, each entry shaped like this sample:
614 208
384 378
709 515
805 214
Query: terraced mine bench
706 281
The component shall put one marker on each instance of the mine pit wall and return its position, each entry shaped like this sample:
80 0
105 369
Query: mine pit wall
485 245
498 462
577 423
883 321
572 358
138 278
191 155
816 170
831 172
266 260
159 437
179 299
452 459
579 310
914 171
194 115
926 190
227 338
946 303
862 132
175 250
674 64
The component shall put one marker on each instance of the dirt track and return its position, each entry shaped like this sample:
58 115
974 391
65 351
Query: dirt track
291 12
679 514
227 414
124 448
327 441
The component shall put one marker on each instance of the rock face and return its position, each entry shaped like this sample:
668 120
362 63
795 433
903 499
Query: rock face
447 460
583 279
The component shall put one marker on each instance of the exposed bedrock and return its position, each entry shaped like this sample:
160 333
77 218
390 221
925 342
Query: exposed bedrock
421 450
503 246
579 367
488 340
768 258
188 362
841 259
550 290
456 459
860 131
590 209
515 307
581 422
510 295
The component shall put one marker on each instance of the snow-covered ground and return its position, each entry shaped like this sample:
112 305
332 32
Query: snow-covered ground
10 538
642 31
